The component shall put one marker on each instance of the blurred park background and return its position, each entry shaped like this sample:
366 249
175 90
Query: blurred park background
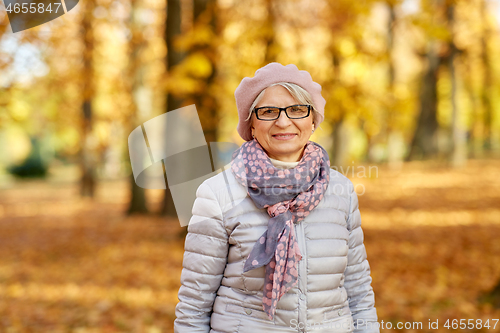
412 90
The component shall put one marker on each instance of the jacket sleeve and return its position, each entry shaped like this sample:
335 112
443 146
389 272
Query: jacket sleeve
205 257
357 274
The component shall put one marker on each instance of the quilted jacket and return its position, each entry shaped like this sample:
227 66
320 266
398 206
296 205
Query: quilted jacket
333 292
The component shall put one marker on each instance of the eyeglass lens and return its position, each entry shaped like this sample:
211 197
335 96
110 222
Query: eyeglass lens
293 112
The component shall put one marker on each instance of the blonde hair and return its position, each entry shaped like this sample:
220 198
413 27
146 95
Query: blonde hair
300 94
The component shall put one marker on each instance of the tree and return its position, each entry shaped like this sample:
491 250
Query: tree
424 142
269 33
87 156
342 19
174 58
458 153
206 49
136 89
487 78
393 132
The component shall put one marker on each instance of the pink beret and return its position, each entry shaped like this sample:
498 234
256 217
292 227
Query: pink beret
274 72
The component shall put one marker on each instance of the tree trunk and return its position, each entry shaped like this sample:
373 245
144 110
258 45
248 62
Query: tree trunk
338 160
476 138
141 103
174 57
424 143
487 79
338 156
206 101
272 48
137 203
88 157
394 135
459 144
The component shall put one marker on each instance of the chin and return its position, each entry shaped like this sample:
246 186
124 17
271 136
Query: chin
287 152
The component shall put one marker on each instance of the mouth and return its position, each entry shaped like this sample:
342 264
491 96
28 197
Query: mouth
284 136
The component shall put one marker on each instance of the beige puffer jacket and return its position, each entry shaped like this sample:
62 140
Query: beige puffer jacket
333 292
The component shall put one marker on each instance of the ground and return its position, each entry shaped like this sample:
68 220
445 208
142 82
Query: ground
80 265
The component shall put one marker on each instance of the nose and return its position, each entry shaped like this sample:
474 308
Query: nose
283 120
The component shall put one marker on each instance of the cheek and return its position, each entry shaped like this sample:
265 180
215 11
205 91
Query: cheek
306 129
262 128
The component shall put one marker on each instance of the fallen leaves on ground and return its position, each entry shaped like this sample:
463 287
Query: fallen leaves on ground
78 265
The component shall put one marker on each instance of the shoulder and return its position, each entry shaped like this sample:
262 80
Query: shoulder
224 187
339 184
221 180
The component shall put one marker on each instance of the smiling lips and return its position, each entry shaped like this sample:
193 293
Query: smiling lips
284 136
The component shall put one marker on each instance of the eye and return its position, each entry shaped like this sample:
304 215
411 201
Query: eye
298 109
267 111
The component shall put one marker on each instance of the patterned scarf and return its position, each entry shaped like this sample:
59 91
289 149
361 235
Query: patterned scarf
289 196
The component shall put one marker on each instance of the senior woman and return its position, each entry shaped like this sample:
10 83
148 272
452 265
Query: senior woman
275 241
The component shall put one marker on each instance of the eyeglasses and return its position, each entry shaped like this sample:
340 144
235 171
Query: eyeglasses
273 113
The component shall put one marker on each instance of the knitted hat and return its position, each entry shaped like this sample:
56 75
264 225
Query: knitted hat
250 88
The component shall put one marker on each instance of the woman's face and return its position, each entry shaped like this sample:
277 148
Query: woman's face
269 134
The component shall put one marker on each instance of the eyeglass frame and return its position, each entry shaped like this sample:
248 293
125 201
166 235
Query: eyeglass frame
283 109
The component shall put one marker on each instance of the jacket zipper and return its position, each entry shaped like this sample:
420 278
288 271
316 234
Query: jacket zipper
303 273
